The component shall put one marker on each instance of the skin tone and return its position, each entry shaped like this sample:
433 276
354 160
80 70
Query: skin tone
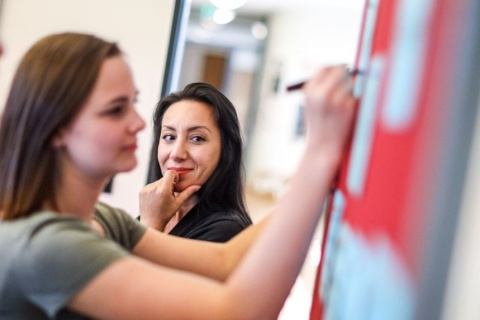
165 271
190 145
101 141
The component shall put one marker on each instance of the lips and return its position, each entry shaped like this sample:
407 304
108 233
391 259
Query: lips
131 147
180 171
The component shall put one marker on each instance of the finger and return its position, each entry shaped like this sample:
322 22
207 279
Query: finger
326 81
188 192
343 92
171 177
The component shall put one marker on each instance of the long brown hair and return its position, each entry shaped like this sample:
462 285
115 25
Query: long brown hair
52 82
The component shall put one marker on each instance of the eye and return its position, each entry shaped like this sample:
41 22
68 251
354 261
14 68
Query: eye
116 111
168 137
197 139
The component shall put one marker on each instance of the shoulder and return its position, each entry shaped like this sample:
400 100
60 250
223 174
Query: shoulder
46 241
216 227
47 255
119 225
44 226
107 211
112 217
50 235
221 227
38 230
222 217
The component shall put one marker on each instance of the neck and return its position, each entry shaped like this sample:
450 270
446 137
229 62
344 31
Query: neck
181 212
186 207
78 194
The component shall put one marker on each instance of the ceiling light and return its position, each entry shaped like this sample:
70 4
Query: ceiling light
228 4
223 16
259 30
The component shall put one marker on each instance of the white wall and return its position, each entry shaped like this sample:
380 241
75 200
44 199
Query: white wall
300 41
463 290
192 65
141 27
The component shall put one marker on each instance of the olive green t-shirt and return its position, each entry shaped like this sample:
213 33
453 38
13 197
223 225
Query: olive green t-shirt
47 258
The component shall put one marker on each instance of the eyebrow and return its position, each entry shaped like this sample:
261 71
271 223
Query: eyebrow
189 129
123 99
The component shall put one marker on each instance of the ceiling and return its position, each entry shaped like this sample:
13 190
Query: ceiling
265 7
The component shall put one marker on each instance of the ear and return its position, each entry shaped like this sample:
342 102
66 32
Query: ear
58 140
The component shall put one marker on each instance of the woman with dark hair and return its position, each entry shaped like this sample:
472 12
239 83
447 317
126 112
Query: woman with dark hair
197 134
68 126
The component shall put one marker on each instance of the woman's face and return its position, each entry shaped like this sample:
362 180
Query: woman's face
102 139
190 143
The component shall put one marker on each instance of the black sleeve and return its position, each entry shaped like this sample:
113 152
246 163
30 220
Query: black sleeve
216 230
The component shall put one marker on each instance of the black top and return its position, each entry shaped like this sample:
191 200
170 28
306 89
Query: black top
216 226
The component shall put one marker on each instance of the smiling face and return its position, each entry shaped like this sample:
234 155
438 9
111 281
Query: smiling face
190 143
102 139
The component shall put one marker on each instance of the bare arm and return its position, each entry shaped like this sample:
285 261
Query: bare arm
135 288
189 255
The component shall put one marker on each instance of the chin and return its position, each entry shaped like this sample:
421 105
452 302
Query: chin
181 187
128 167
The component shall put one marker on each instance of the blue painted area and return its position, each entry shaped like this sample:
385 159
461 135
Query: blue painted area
369 281
364 130
408 58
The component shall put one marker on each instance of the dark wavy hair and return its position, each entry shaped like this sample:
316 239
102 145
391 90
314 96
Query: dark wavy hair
52 82
224 190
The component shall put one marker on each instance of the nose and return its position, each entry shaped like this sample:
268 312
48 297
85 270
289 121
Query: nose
179 150
137 124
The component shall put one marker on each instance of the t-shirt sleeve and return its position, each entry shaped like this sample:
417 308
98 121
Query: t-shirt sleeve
60 258
119 226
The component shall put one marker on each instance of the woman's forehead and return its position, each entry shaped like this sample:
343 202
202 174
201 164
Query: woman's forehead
190 111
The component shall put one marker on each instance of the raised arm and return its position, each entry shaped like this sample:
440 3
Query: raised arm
281 248
261 281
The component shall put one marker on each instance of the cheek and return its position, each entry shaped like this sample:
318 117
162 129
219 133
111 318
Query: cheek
90 140
162 157
105 139
211 162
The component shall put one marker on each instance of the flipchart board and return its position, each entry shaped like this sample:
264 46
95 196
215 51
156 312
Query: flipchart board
386 239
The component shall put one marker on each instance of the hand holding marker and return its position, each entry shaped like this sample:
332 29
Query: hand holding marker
299 85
